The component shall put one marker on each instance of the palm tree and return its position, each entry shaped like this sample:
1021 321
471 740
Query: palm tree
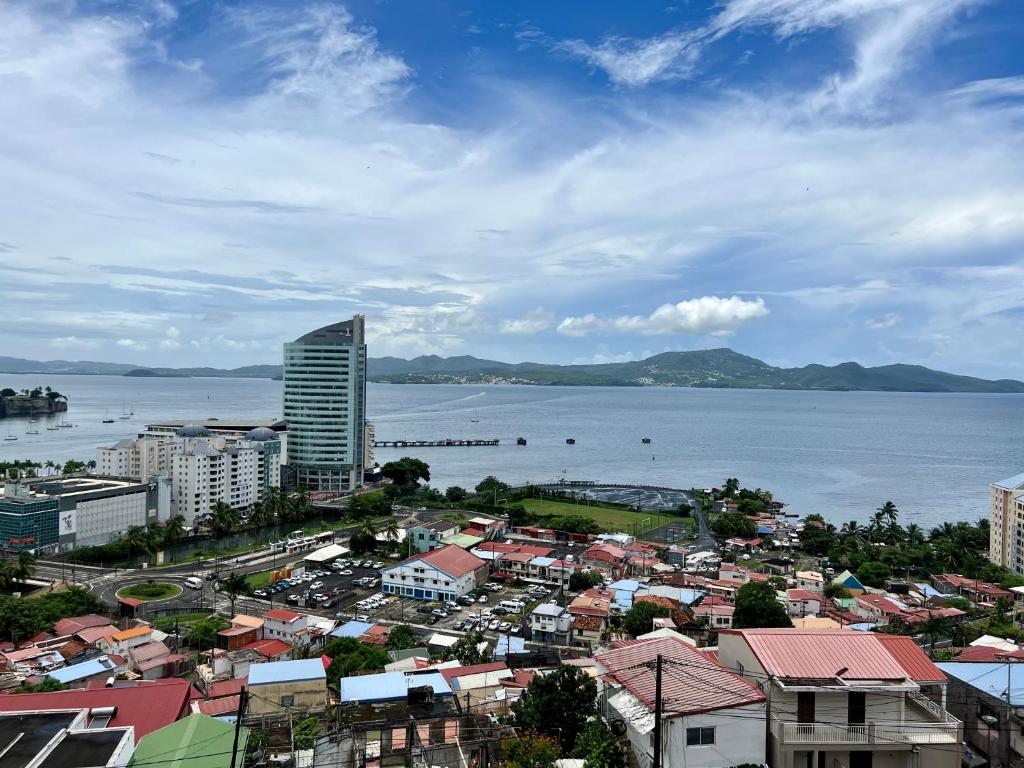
174 530
224 519
915 536
889 512
7 566
732 486
944 531
25 567
391 530
137 539
261 515
233 585
368 527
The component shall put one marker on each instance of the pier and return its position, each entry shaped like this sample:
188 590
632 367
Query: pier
447 443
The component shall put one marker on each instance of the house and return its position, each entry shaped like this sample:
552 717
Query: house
743 545
145 706
147 652
196 740
550 624
606 558
430 536
877 608
122 642
976 591
993 716
441 574
588 631
270 650
846 698
282 624
711 716
801 602
594 605
716 616
287 686
489 528
76 624
812 581
390 686
849 582
69 739
235 637
79 675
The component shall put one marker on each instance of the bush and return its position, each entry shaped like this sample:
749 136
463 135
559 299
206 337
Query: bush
580 580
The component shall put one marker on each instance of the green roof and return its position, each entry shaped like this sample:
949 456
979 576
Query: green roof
463 540
197 741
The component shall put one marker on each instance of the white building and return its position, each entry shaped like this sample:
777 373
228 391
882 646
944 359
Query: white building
441 574
1006 523
550 624
289 626
712 718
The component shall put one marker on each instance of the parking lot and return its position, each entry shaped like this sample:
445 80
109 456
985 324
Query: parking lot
340 585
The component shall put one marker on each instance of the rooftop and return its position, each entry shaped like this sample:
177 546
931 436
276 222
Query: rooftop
286 671
390 686
1014 483
100 666
454 561
198 741
990 678
282 614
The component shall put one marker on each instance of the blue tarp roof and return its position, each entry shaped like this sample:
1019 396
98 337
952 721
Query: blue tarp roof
508 644
82 671
623 598
990 677
352 629
765 529
286 671
864 626
389 686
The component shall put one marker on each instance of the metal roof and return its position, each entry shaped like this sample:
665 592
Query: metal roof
197 741
102 665
286 671
1014 483
691 682
508 644
353 629
452 560
911 658
389 686
991 678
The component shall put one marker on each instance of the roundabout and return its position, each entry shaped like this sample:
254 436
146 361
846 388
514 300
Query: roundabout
150 591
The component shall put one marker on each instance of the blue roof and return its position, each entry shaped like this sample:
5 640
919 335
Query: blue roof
850 581
83 670
1011 483
928 590
508 644
542 562
864 626
287 671
765 529
627 585
352 629
389 686
623 598
990 677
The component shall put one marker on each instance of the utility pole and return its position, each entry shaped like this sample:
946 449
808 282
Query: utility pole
657 714
238 724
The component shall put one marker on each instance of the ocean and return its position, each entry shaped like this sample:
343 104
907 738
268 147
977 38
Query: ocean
840 454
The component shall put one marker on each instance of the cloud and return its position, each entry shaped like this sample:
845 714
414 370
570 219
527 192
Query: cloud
706 315
257 206
171 340
882 322
534 321
132 344
73 342
639 62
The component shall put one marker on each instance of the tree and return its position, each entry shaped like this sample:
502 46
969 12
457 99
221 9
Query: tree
368 528
580 580
732 487
455 494
873 573
558 705
261 515
137 539
25 567
361 543
731 524
174 530
7 392
224 519
305 732
202 635
391 531
468 649
47 685
365 505
530 751
598 747
406 472
401 637
349 656
757 606
71 466
491 486
233 585
639 619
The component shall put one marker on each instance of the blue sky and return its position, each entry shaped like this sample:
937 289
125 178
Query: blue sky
194 182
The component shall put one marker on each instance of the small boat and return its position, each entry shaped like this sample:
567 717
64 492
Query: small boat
52 429
31 431
124 413
570 441
106 418
32 421
9 435
474 421
645 440
520 441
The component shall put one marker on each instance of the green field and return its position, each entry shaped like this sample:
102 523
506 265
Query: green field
614 519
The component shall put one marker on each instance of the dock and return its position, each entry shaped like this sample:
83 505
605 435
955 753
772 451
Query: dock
447 443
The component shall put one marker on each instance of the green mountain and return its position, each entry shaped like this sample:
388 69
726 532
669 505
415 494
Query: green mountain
701 368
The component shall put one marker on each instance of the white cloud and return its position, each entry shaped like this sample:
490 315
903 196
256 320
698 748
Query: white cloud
534 321
132 344
997 87
171 340
639 62
73 342
706 315
882 322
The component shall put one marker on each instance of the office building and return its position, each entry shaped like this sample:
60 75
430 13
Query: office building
1006 523
325 406
28 522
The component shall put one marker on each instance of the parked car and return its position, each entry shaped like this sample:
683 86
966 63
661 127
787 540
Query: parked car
362 617
345 572
294 598
439 613
433 620
458 625
464 600
483 599
423 609
505 626
316 585
378 565
260 593
493 626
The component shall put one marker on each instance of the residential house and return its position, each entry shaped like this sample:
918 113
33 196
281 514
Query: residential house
802 602
812 581
80 675
716 616
441 574
849 582
278 687
877 608
979 592
846 698
590 611
550 624
76 624
606 558
712 717
122 642
744 545
282 624
237 636
270 650
196 740
488 527
430 536
989 698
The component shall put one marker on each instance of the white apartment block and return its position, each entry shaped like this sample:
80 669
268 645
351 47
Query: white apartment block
1006 523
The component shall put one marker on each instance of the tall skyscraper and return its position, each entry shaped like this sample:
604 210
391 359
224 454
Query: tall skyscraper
325 405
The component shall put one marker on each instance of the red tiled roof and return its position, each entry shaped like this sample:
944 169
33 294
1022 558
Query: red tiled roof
692 685
268 648
498 546
472 669
453 560
223 688
909 655
131 601
973 585
585 623
282 614
214 707
146 705
76 623
818 654
608 553
517 557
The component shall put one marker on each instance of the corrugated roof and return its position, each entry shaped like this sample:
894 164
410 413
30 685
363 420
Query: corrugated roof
129 634
691 682
990 678
454 561
473 669
910 656
282 614
72 625
389 686
818 654
353 629
99 666
197 741
286 671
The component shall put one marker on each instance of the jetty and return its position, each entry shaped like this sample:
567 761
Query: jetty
446 443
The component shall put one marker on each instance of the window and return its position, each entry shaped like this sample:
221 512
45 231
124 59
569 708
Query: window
287 701
700 737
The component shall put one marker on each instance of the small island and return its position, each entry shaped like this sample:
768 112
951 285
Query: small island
146 373
31 402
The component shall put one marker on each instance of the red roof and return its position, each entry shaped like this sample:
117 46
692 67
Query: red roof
909 655
453 560
222 688
802 594
214 707
282 614
146 705
608 553
131 601
268 648
691 685
881 603
818 654
472 669
76 623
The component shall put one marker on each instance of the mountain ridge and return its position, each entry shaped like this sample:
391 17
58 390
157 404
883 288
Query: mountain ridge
710 368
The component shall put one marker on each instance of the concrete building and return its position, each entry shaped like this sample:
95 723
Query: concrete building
432 535
441 574
550 624
1006 523
28 522
989 698
846 698
283 686
325 406
289 626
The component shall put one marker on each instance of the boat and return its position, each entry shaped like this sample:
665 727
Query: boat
31 431
645 440
32 421
474 421
53 428
570 441
520 441
9 435
124 413
106 417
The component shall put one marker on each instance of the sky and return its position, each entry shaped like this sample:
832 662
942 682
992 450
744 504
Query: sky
195 182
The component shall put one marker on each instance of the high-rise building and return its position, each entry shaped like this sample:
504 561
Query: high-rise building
1006 523
325 406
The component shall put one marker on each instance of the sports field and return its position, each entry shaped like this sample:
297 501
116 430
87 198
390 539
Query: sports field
612 519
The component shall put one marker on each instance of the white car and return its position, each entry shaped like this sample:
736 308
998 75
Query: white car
439 613
505 626
346 572
483 599
316 585
493 626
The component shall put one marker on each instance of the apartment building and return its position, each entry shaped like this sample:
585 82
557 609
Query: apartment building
1006 523
846 699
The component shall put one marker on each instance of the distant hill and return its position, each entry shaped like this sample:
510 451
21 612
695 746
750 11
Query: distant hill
701 368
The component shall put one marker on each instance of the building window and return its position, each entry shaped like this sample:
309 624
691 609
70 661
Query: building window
289 701
700 737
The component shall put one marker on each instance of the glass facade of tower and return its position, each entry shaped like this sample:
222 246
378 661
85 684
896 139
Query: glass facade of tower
325 405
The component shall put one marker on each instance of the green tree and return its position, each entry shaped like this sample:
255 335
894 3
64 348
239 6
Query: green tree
7 392
598 747
455 494
491 486
47 685
731 488
305 732
71 466
174 530
757 606
366 505
639 619
137 539
24 567
224 519
361 543
261 515
202 635
580 580
873 573
558 705
401 637
530 751
349 656
233 585
468 649
391 531
406 472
